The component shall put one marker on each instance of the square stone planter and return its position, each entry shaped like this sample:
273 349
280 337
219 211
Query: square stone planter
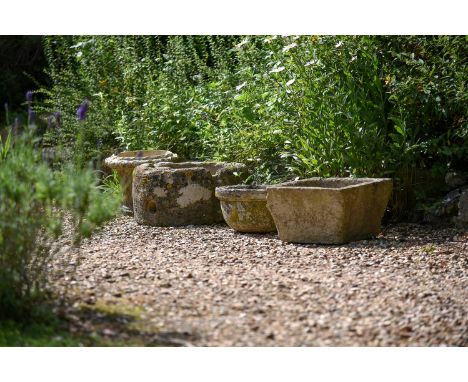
328 210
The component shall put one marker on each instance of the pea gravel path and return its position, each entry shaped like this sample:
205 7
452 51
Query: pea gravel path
211 286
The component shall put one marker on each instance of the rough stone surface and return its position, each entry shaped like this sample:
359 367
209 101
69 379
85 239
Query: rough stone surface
444 209
173 197
212 286
126 161
328 210
175 194
462 218
244 208
455 179
223 173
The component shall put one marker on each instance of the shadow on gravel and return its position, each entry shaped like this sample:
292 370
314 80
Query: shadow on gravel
406 234
98 326
64 322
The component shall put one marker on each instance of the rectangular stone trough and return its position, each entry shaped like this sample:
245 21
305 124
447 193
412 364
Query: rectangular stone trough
328 210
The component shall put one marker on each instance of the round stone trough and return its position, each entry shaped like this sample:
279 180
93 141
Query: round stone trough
124 164
244 208
176 194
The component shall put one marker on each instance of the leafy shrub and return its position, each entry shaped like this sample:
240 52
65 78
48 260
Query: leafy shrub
288 106
425 81
33 202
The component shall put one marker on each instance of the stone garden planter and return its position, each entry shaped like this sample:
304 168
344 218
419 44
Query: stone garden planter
244 208
328 210
175 194
126 161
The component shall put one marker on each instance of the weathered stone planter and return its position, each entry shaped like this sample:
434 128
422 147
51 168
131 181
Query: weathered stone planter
328 210
126 161
175 194
244 208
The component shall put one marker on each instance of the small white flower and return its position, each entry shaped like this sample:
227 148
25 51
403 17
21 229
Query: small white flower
277 70
239 87
290 82
289 47
243 42
339 44
311 62
270 39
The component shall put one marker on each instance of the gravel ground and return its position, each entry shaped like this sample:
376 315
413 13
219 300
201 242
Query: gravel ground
211 286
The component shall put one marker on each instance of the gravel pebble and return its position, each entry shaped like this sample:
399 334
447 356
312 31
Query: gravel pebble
212 286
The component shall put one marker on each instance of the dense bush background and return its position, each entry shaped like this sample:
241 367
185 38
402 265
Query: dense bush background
286 105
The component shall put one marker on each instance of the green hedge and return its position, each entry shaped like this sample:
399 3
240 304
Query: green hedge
287 106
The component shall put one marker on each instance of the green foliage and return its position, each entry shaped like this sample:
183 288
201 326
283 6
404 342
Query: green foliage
34 201
287 106
5 146
52 327
34 334
425 80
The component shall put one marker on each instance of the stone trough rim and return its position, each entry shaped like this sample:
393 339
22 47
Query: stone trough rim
241 192
117 160
297 184
155 168
187 165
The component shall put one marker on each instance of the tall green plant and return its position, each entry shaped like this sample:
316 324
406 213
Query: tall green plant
34 201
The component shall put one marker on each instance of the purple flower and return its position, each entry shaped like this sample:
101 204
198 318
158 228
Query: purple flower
58 119
31 116
82 110
29 95
139 154
49 121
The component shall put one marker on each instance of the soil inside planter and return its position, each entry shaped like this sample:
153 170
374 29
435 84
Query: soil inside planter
144 154
242 192
214 168
333 183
